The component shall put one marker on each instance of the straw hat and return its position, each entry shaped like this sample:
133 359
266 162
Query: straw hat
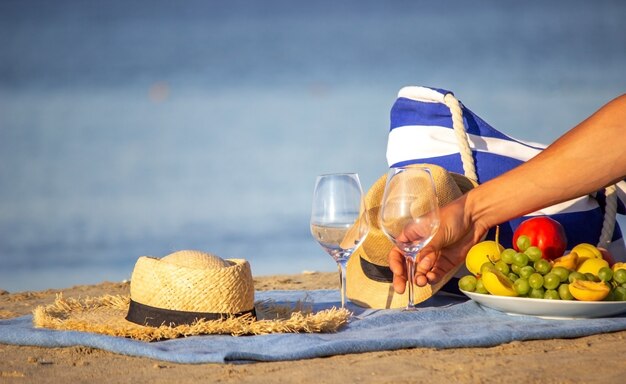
183 294
189 285
369 279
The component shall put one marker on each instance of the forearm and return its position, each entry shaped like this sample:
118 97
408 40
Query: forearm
585 159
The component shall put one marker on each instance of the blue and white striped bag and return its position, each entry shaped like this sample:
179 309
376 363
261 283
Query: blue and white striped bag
431 126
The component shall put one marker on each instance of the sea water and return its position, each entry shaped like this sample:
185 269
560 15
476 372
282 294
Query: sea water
146 127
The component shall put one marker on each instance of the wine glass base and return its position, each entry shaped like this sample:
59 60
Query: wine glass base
410 309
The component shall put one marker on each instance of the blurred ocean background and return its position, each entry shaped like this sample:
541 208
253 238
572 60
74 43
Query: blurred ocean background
132 128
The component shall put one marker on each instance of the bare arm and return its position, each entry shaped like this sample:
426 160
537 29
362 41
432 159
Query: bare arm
587 158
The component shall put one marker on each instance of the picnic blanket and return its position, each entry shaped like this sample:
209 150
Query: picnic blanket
443 321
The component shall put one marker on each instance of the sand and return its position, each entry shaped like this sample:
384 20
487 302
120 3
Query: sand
593 359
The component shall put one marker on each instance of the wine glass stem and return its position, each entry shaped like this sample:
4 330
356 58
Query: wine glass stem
342 279
410 267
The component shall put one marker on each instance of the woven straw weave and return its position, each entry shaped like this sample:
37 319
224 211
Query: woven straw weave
195 282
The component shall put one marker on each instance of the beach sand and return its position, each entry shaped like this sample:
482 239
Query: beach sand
593 359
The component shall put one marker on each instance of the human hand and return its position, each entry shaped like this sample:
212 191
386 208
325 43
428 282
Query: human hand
456 235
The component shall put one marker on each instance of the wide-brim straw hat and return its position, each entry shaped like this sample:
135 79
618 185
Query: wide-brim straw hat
369 281
183 294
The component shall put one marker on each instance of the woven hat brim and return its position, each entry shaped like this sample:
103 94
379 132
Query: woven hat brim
106 315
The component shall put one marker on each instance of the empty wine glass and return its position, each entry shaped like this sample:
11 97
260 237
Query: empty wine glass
338 220
409 214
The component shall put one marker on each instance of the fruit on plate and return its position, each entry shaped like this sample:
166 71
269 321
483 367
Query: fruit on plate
587 251
497 283
481 253
584 290
605 274
619 277
545 233
591 265
526 273
617 266
468 283
569 261
543 279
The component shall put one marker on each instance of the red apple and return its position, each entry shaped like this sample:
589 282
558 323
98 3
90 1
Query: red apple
544 233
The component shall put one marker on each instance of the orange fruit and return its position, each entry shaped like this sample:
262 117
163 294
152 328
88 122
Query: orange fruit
569 261
585 290
587 251
592 265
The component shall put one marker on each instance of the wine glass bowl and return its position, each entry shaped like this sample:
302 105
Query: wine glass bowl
409 214
338 220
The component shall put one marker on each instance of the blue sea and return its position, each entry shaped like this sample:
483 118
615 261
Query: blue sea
132 128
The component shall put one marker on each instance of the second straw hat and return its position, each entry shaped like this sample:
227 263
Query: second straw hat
369 279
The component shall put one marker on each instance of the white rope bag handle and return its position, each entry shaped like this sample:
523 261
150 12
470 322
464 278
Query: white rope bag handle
459 130
469 168
610 214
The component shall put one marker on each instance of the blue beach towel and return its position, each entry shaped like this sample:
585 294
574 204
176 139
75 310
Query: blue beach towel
443 321
422 131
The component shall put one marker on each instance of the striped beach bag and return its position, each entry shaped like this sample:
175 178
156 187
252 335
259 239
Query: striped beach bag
431 126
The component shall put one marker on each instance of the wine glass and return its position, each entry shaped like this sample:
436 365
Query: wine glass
338 220
409 214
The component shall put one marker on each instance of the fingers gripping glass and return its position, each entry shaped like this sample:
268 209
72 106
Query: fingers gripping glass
409 214
338 220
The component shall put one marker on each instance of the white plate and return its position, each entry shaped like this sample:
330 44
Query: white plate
549 309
